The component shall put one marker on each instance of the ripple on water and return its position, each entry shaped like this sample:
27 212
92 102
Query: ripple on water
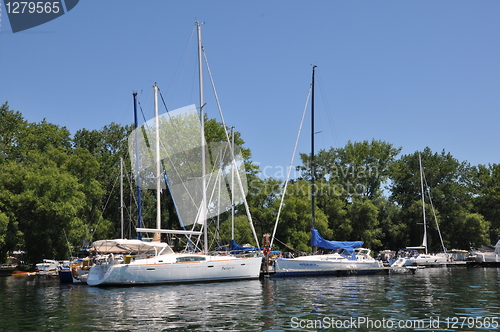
249 305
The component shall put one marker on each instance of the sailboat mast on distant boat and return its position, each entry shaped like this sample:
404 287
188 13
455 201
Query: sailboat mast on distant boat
203 161
157 237
313 170
424 241
138 178
425 259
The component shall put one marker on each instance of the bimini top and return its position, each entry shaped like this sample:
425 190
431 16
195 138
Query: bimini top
318 241
124 246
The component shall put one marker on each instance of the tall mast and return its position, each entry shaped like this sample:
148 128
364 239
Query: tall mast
138 178
313 171
156 237
232 184
121 196
424 241
202 119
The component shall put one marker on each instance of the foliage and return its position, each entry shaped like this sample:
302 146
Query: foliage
59 192
484 184
446 193
358 169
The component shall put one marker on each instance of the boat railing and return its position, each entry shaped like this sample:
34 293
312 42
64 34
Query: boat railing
109 259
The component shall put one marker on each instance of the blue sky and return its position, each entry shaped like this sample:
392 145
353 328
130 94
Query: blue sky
411 73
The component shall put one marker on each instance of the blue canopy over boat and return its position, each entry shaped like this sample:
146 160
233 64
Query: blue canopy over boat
318 241
237 249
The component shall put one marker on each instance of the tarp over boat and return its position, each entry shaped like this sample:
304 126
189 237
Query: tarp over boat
318 241
125 246
237 249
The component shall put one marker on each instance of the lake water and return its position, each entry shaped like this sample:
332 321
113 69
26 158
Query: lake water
435 299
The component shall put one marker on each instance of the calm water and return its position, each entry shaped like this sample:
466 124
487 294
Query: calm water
440 299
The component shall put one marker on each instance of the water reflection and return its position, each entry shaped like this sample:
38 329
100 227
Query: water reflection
178 307
271 304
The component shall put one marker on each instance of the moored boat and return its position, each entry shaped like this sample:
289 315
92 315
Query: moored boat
135 262
425 258
48 267
486 256
350 257
180 158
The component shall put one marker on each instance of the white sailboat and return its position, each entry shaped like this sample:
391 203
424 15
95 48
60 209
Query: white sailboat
424 258
135 262
350 257
486 257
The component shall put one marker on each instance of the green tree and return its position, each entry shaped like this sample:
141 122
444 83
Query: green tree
40 200
445 184
349 181
363 215
485 187
394 231
11 125
44 202
96 159
294 227
358 169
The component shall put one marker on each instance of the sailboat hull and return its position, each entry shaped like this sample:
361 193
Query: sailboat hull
325 265
162 270
428 260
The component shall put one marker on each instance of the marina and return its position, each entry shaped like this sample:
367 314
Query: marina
129 207
441 296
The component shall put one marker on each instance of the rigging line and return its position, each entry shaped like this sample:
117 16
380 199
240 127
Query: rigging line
247 208
140 105
163 100
142 111
328 111
184 154
188 237
290 166
433 211
188 248
179 70
293 249
221 154
148 135
133 198
178 138
131 188
104 208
